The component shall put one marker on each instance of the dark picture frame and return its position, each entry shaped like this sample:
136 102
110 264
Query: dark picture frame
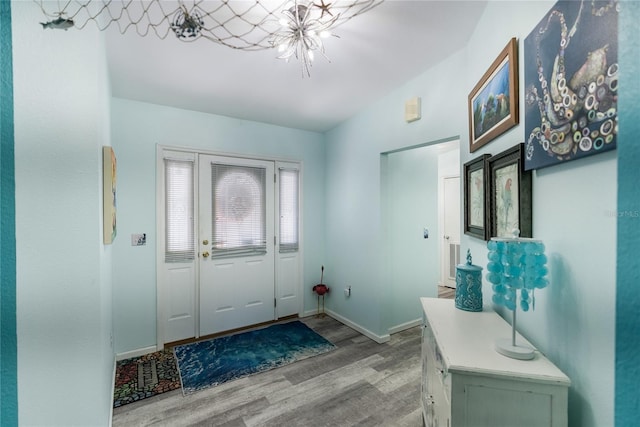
493 102
475 200
509 194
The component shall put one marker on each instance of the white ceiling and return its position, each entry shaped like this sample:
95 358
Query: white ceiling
376 52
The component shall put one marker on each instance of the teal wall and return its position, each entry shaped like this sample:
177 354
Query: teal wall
574 321
137 129
355 180
627 366
64 274
410 199
63 290
8 344
412 204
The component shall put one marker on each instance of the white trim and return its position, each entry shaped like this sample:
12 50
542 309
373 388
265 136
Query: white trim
161 303
405 326
113 389
299 166
309 313
377 338
444 246
226 154
301 235
159 244
137 353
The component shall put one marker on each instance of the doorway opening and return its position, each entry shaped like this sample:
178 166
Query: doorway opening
414 221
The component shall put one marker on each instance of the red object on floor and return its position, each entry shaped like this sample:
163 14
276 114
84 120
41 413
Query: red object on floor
320 289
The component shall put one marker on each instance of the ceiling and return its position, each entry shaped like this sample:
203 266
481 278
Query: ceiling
375 53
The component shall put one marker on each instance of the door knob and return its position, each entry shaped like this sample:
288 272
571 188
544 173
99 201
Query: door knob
205 254
446 237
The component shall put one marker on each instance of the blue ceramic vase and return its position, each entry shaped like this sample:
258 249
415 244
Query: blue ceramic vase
469 286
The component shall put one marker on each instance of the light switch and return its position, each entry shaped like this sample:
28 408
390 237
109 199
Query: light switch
139 239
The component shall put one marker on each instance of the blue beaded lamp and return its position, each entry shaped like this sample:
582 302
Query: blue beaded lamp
516 268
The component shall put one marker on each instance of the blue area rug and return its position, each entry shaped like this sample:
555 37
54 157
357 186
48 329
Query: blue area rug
208 363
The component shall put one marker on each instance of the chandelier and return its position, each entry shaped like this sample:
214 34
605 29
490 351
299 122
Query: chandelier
295 28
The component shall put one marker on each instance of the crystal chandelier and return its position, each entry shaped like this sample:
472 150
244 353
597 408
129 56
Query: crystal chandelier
302 32
294 27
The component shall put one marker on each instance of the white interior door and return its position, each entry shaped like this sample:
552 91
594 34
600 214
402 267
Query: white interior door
451 236
235 243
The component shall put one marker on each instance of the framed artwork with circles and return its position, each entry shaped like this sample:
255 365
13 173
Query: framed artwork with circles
571 83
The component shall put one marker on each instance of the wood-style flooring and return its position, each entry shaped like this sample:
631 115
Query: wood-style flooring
446 292
361 383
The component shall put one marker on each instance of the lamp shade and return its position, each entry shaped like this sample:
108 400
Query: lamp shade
516 265
516 268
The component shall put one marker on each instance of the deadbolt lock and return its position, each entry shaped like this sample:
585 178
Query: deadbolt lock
205 242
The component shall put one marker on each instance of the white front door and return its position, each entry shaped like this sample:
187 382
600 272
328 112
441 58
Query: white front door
235 242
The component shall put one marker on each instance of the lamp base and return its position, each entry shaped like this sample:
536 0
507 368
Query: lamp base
505 347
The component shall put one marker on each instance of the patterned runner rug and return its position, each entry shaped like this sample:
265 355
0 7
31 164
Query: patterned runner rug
145 376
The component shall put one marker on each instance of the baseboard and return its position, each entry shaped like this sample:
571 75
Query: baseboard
377 338
136 353
309 313
113 389
404 326
364 331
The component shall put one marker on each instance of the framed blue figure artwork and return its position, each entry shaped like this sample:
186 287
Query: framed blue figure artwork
509 194
571 83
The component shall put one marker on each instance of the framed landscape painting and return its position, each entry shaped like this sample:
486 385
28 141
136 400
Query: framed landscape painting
493 102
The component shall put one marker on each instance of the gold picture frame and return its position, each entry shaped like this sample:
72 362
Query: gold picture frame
493 102
109 180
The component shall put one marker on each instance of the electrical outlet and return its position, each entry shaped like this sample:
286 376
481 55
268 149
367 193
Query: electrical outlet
139 239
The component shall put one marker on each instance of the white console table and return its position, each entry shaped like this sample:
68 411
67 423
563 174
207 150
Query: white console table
466 383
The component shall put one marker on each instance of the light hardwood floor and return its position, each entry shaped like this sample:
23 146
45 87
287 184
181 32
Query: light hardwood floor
446 292
361 383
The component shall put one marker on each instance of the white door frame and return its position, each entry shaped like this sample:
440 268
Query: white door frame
161 304
288 265
161 297
443 240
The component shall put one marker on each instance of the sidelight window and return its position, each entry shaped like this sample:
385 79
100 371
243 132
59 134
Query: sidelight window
289 209
179 210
